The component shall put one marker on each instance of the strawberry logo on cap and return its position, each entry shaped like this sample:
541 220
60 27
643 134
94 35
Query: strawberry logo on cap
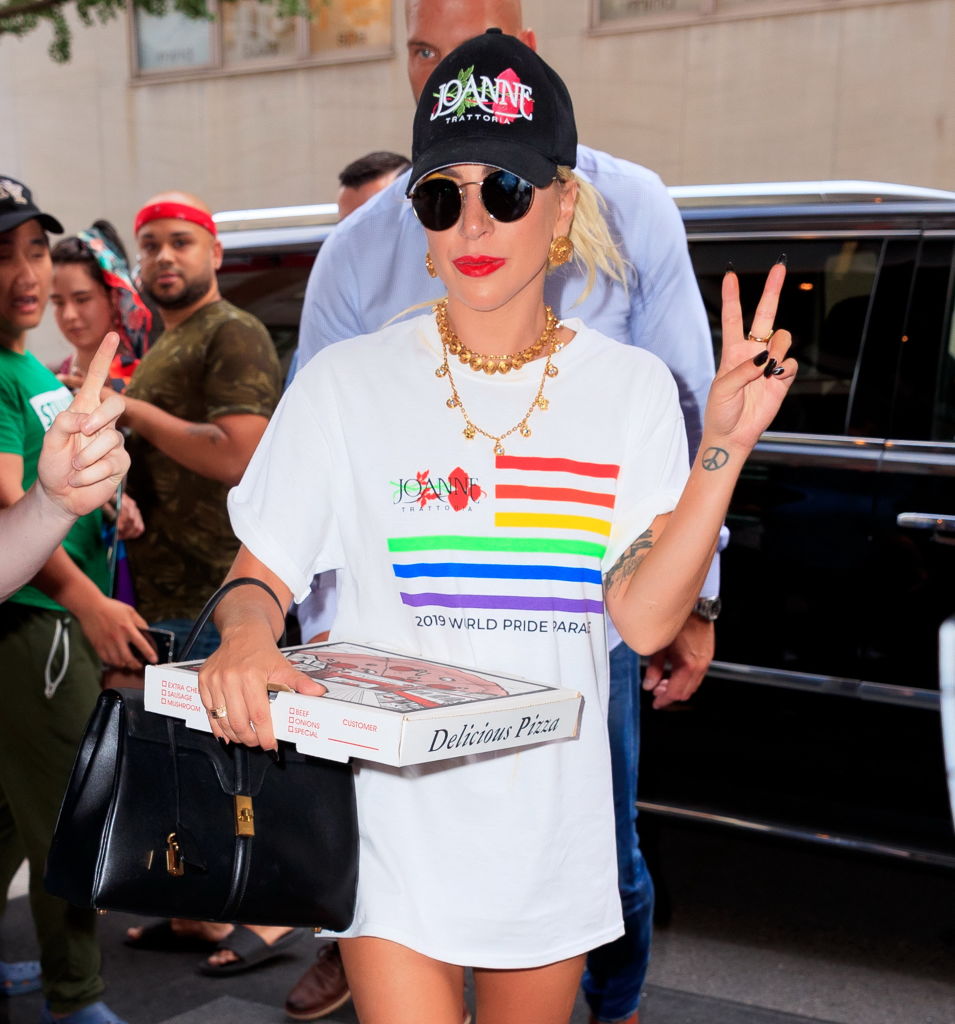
504 98
504 108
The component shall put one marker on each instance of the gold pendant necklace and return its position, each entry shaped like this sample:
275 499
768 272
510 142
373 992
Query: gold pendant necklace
493 364
471 429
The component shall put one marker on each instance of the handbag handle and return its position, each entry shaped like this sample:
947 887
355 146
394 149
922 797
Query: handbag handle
237 754
209 608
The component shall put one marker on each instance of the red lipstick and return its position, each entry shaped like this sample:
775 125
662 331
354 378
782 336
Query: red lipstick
478 266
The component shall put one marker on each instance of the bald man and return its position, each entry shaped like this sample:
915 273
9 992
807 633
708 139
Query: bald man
197 406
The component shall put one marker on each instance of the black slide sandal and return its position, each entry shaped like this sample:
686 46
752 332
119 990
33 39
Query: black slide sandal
250 949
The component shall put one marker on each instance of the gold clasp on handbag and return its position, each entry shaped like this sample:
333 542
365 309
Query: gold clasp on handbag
174 864
244 816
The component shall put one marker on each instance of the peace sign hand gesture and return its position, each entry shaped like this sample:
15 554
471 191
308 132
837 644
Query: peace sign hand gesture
754 373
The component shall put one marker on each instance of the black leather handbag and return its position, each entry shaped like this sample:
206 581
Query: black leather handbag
163 820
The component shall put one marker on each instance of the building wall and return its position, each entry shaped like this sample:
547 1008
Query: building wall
844 90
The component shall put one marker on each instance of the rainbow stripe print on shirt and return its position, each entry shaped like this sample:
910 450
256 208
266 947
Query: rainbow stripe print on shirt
552 519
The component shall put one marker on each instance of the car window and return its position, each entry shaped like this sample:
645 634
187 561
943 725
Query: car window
825 304
271 286
944 427
925 400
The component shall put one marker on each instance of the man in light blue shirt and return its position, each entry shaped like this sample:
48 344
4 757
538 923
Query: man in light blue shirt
372 269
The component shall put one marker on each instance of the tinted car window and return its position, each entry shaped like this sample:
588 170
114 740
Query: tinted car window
271 286
944 425
825 304
929 351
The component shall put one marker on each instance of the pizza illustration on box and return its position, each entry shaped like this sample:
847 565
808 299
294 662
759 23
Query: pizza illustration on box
397 683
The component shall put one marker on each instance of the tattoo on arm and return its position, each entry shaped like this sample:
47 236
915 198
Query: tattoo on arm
714 458
628 563
207 431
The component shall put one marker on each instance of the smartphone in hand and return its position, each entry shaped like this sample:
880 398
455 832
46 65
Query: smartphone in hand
162 641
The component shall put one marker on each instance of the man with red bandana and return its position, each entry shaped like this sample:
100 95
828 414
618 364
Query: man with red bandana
197 406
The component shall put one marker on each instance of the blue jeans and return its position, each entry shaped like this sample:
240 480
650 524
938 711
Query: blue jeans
615 972
206 642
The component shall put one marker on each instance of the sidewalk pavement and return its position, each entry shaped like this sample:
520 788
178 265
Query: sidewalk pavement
165 988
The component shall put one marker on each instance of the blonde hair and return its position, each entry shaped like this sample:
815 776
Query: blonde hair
594 246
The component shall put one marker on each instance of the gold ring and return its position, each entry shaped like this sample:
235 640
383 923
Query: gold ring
760 341
218 712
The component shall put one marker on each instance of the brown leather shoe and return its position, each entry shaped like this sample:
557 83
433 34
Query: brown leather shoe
321 989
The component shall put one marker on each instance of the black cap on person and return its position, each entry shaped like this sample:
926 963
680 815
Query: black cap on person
17 206
493 101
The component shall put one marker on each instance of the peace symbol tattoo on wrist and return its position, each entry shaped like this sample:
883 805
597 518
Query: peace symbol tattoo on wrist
714 458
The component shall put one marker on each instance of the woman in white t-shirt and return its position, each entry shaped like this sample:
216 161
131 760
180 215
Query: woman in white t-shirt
489 515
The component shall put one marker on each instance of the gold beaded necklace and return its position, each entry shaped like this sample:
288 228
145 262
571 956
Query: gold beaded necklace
493 364
471 429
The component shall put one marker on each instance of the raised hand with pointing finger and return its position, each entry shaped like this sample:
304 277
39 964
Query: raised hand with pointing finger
80 466
83 459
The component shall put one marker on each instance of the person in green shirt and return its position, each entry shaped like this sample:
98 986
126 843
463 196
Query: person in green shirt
81 463
54 634
196 407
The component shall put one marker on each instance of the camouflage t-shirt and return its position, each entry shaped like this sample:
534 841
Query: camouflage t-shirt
220 362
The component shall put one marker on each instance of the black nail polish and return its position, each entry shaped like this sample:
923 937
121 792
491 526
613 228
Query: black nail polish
730 267
783 258
274 755
223 743
761 358
770 366
779 371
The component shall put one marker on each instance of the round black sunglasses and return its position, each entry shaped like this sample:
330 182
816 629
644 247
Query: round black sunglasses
437 201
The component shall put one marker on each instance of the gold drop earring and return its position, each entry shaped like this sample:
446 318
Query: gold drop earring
429 265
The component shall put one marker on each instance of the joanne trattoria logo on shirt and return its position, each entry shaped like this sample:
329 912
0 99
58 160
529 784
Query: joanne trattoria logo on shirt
503 99
455 491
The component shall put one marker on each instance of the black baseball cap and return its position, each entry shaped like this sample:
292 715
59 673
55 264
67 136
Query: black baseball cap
493 101
17 206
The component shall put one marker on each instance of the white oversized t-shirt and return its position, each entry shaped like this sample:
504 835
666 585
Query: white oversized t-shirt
449 551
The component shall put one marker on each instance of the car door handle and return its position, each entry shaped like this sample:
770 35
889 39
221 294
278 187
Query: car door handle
925 521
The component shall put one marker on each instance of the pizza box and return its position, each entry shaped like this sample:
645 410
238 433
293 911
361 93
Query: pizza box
389 707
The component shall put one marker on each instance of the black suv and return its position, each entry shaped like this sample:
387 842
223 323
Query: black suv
268 256
820 718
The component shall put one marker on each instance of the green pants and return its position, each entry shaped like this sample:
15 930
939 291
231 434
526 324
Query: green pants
40 730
